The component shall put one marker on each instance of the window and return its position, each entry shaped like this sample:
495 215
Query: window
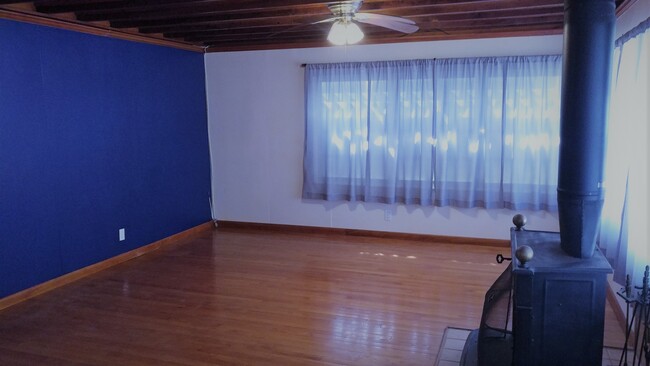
624 229
478 132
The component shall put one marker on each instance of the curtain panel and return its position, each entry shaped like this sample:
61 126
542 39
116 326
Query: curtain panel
474 132
624 225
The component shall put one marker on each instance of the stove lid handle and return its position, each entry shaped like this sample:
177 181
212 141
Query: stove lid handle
501 258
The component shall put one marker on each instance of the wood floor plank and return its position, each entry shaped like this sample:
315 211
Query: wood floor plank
236 297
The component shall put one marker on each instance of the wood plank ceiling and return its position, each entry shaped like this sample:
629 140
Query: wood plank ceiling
233 25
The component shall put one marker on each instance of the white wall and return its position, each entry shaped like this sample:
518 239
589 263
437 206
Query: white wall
256 124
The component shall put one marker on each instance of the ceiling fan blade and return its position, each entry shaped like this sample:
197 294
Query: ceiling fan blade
328 20
364 16
390 24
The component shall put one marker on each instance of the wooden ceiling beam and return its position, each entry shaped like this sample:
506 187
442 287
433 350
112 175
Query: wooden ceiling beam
492 23
242 31
304 33
265 24
125 6
434 28
64 6
395 8
245 9
491 18
163 11
302 37
290 12
245 34
277 23
425 22
219 22
471 34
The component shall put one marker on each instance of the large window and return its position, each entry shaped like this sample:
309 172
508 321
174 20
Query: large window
480 132
624 225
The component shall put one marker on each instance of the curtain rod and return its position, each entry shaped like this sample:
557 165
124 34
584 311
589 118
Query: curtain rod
452 58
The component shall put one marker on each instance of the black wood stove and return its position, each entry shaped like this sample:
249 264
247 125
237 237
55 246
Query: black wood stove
548 307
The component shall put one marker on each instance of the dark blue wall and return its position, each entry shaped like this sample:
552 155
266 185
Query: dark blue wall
96 134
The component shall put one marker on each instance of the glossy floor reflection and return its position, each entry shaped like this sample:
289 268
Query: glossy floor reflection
259 298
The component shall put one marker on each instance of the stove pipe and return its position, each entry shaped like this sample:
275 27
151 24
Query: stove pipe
587 64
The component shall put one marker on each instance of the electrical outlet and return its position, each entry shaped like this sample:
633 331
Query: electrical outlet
122 234
388 215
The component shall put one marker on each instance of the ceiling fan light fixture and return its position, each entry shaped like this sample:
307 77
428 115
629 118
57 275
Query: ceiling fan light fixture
343 33
354 33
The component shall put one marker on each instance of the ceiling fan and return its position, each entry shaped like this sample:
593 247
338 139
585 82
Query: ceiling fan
346 31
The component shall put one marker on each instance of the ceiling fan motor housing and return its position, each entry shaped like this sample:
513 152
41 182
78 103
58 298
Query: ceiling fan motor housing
345 9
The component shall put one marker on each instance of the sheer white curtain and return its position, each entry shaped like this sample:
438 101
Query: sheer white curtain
365 123
497 132
480 132
624 225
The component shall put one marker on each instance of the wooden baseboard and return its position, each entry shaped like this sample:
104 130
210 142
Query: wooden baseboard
94 268
221 224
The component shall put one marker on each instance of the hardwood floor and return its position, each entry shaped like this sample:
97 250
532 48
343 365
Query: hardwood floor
234 297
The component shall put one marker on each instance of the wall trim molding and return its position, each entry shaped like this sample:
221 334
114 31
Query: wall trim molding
624 6
100 266
98 30
440 239
237 225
